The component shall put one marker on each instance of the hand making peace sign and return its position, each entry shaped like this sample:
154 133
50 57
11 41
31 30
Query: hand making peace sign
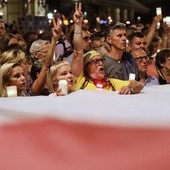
78 15
57 30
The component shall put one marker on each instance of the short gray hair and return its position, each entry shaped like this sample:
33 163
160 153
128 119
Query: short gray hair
37 45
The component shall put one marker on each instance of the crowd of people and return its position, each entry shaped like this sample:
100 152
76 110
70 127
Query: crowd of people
91 60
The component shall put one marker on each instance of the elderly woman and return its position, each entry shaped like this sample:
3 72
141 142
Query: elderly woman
12 74
162 62
61 70
93 77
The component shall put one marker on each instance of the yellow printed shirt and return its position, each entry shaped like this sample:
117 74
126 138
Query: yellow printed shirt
89 85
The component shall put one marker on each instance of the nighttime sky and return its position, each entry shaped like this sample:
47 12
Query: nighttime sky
152 4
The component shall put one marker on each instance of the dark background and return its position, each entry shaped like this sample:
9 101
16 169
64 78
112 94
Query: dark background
152 4
66 8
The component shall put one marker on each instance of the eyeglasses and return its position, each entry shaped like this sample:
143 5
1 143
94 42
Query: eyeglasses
140 59
86 38
97 61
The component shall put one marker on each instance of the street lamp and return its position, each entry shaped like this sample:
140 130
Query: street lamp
50 17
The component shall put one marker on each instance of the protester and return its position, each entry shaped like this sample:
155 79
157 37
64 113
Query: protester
142 61
6 40
12 74
119 63
39 83
90 68
61 70
163 66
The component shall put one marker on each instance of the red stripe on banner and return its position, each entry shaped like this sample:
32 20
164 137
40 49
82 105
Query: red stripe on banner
58 145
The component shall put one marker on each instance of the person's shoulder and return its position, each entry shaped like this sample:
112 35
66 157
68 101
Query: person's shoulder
108 59
128 57
67 43
59 45
117 80
153 78
79 81
127 54
118 83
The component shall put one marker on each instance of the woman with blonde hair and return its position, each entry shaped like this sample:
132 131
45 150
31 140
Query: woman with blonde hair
15 54
6 40
12 74
60 71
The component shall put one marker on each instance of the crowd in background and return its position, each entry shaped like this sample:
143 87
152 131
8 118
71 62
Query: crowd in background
116 57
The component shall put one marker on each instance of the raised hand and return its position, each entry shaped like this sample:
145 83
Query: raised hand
57 30
78 15
157 18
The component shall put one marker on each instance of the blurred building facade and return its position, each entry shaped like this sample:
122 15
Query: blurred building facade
13 9
119 10
35 12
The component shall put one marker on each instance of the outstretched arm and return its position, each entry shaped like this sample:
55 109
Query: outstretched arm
165 35
39 83
152 29
77 63
133 88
